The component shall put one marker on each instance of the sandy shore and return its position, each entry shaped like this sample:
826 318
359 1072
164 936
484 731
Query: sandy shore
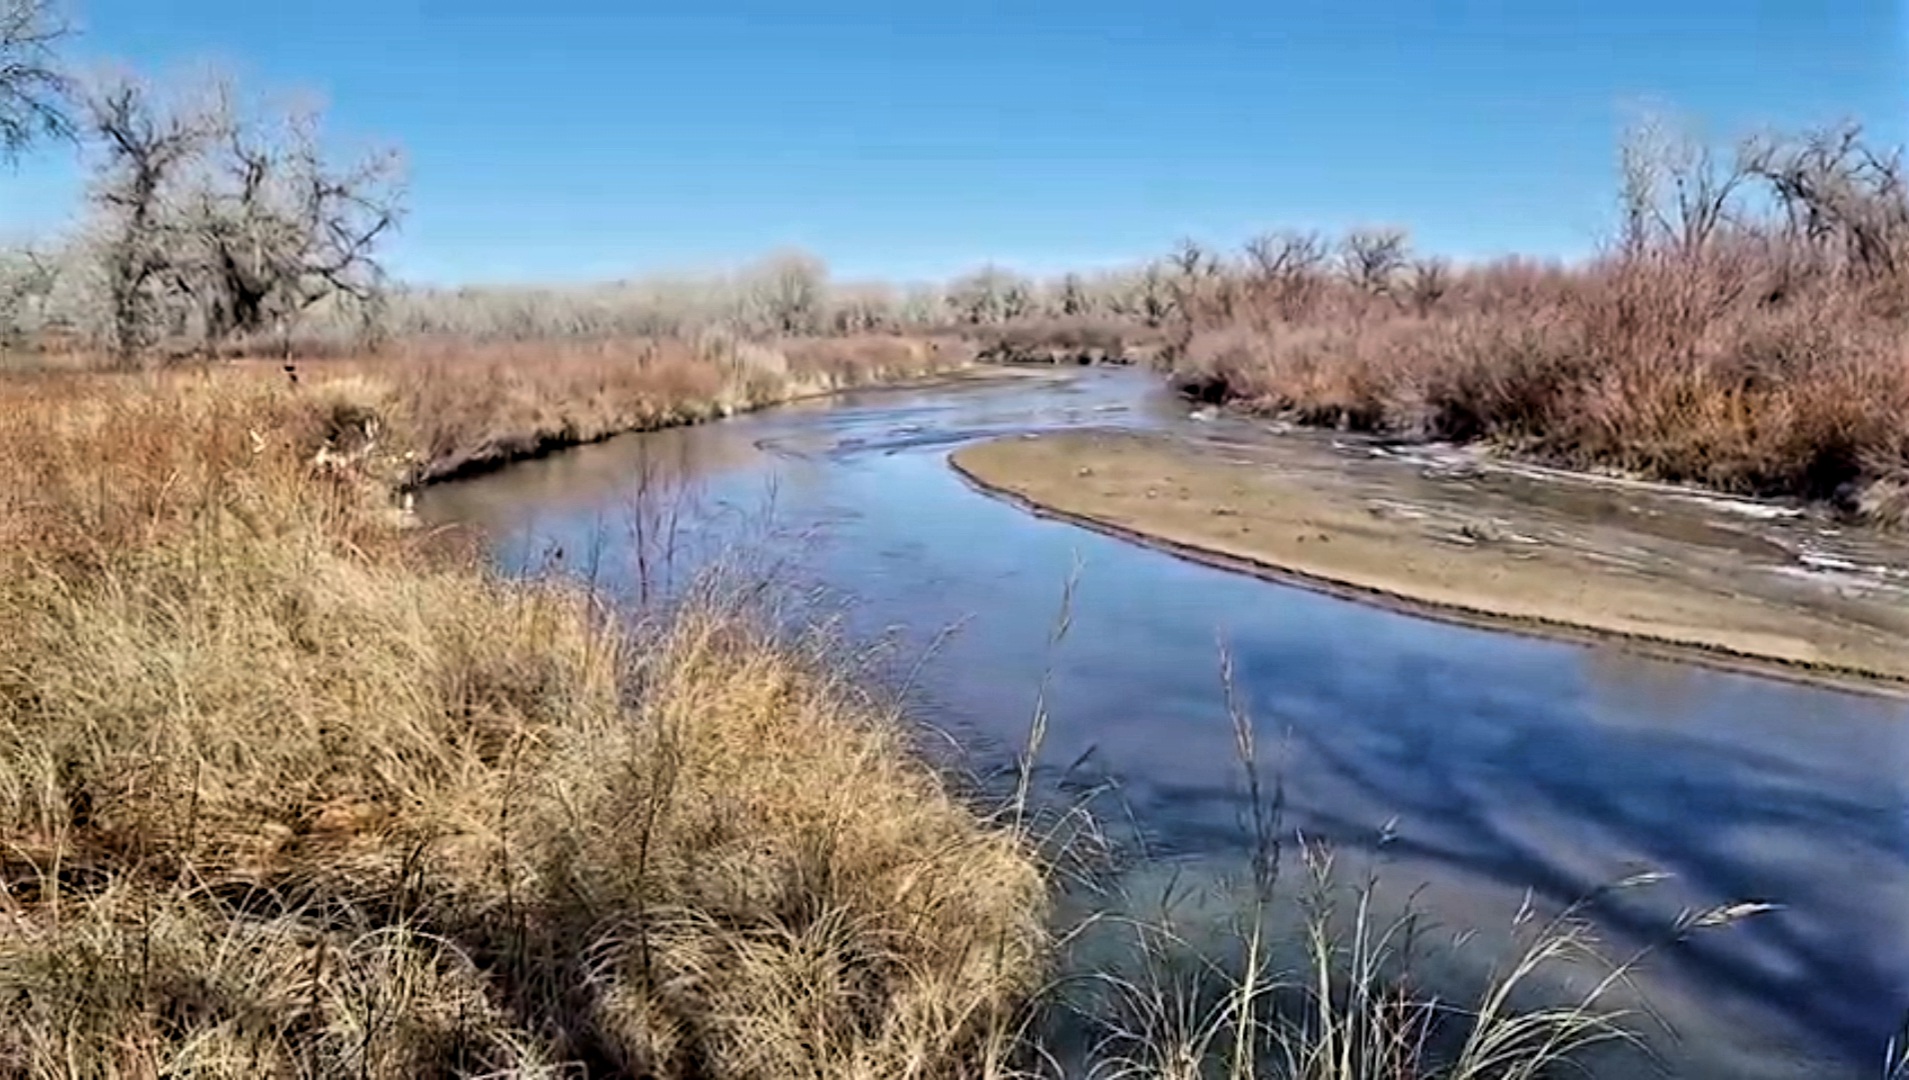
1303 524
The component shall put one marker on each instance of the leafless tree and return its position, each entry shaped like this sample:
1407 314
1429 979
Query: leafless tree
214 223
1153 294
28 279
1201 288
1071 299
1284 270
989 295
143 144
1373 257
1017 299
33 87
1677 189
922 306
1282 255
861 309
1833 187
269 226
1191 260
786 293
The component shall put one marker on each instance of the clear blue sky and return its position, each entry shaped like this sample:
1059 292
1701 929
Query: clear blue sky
572 139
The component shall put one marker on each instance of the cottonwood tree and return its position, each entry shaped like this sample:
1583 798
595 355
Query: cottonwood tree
922 306
143 143
989 295
1285 269
1152 294
1203 285
28 279
216 222
269 226
1071 299
1286 255
33 87
1431 280
861 309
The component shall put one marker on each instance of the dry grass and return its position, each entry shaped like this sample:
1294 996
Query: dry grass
1331 979
473 407
1728 367
283 793
1675 369
1323 986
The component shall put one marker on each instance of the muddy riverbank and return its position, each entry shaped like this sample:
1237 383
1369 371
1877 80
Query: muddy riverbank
1279 514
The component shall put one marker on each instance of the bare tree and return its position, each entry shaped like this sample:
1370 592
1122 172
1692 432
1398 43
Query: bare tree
143 144
1191 260
215 223
28 281
989 295
1201 289
1284 270
860 309
1153 299
1017 298
786 294
33 88
1286 254
269 226
1835 188
1072 299
1676 188
922 306
1372 258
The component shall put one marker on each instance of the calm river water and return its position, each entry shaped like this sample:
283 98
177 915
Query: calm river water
1495 766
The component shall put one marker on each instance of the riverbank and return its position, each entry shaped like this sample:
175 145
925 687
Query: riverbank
285 789
466 409
1385 542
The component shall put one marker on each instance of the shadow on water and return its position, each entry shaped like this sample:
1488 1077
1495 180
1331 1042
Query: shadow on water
1512 766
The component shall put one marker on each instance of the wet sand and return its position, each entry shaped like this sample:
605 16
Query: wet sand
1460 551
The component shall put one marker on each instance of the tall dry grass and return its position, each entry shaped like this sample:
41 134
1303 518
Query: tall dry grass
1749 332
1693 369
283 792
466 408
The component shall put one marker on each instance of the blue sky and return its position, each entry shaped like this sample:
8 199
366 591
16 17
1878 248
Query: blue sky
578 139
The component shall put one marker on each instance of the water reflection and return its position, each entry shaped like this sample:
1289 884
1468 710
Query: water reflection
1510 764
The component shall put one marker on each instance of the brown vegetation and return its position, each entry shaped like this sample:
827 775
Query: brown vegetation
1755 347
282 794
1075 339
471 407
284 790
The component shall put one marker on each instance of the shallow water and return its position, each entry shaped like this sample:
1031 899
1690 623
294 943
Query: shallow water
1491 764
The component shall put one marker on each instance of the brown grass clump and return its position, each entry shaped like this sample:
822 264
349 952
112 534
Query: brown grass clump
283 793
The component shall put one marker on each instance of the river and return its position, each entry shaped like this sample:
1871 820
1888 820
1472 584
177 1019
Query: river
1485 766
